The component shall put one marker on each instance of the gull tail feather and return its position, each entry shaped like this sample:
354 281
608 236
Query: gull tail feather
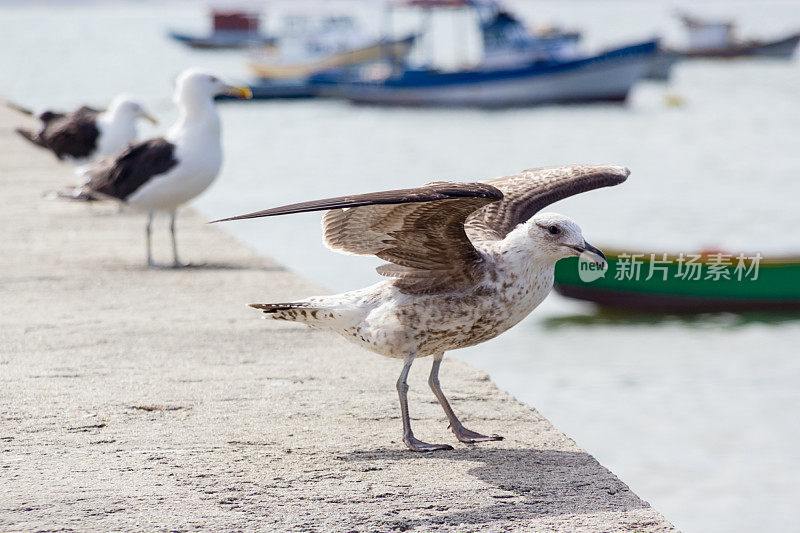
29 136
305 312
17 107
77 194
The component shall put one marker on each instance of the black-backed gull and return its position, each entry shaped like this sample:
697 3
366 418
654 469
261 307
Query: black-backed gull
161 174
86 134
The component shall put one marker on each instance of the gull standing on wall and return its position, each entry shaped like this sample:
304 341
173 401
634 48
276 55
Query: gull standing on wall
87 134
161 174
467 261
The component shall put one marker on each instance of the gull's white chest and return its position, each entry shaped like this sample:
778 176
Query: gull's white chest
519 290
432 324
199 158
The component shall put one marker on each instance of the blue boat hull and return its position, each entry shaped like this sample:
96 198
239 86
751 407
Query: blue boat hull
661 65
285 89
605 77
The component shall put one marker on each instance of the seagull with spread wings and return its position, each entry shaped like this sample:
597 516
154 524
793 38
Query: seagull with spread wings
466 262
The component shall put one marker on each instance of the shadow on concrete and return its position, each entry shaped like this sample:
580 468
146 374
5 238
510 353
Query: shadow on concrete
196 267
526 483
224 266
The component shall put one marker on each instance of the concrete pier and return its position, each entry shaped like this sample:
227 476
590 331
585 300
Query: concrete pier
154 399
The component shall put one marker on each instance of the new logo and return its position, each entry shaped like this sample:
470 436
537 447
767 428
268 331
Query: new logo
591 267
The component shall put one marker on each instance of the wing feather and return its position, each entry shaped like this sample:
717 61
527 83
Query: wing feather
119 177
420 231
74 134
526 193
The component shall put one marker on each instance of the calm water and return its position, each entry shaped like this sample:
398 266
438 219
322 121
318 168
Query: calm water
699 416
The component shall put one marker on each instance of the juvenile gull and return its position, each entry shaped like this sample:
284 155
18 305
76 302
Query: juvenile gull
161 174
467 261
87 134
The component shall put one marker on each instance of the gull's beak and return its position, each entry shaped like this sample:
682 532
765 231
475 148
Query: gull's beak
239 91
589 249
151 119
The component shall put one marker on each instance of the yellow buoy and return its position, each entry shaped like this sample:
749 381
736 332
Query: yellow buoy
674 100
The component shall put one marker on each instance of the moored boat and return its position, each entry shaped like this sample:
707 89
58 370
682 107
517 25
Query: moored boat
781 48
230 29
717 39
685 283
607 76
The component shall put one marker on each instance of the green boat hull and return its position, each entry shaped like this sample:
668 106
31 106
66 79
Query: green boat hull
664 286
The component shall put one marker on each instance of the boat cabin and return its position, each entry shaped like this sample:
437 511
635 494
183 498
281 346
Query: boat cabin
507 43
708 35
238 21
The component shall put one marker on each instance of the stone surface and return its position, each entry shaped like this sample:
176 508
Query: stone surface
154 399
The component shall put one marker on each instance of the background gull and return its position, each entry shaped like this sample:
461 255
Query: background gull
86 134
161 174
467 261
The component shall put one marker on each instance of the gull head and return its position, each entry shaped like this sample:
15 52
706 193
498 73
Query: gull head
195 85
125 106
556 237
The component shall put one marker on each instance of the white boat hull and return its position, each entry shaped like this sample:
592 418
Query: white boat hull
608 80
661 66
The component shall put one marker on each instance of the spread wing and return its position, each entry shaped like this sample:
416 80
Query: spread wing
526 193
119 177
420 231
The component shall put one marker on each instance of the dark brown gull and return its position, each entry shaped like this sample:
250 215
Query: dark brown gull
86 134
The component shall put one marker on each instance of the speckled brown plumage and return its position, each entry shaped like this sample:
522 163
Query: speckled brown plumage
467 261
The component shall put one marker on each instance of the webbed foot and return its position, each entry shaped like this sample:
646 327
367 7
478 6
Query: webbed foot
416 445
466 435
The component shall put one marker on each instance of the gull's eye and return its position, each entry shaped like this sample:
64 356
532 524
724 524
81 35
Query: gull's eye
554 230
214 79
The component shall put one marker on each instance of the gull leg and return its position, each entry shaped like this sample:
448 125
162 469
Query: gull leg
462 434
148 233
411 441
175 261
